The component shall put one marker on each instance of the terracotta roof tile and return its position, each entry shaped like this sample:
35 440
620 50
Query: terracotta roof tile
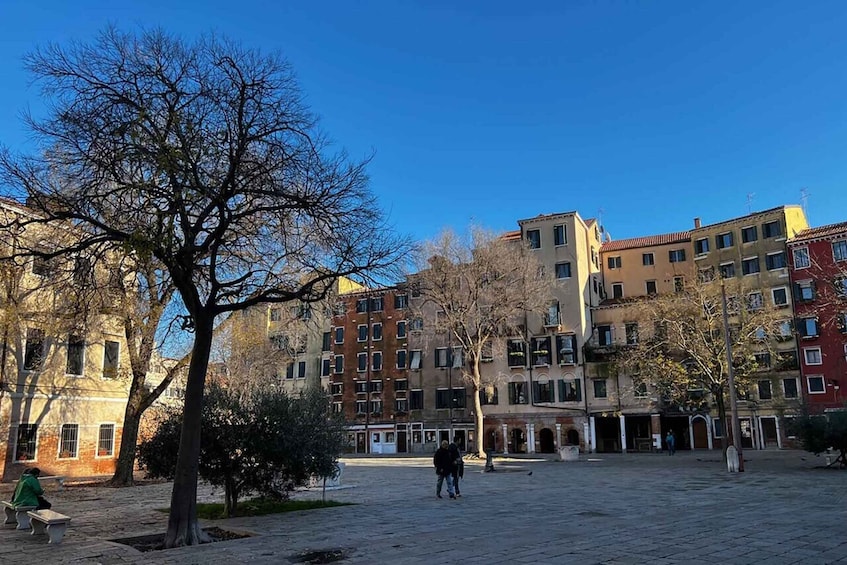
648 241
511 235
829 230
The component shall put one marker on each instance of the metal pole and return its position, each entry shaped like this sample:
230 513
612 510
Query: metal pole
733 401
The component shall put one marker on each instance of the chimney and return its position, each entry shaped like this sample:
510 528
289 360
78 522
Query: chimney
696 223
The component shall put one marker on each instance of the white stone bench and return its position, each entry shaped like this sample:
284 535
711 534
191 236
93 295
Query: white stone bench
53 523
17 515
60 480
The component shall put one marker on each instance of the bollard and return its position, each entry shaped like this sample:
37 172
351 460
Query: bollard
489 461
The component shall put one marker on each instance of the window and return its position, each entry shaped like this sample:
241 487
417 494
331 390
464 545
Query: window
415 289
560 236
718 425
755 301
541 351
401 384
614 262
488 395
763 360
339 364
361 305
361 387
416 324
724 240
534 238
34 352
651 287
442 357
727 270
443 398
515 353
617 290
41 266
377 331
701 246
775 261
376 358
771 229
301 369
566 348
765 392
841 322
750 266
339 335
632 333
600 388
276 314
551 317
106 440
517 393
325 367
639 390
779 296
459 398
801 258
804 291
457 358
339 308
839 250
676 255
812 355
789 387
362 333
326 342
786 361
807 327
416 400
69 441
401 301
401 329
361 407
543 391
76 350
376 386
377 304
337 388
815 384
415 360
840 284
749 234
678 284
647 259
401 359
26 442
604 335
563 270
289 371
401 405
361 362
706 275
569 391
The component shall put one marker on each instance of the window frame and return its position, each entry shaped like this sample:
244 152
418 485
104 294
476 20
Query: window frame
648 259
773 296
701 246
810 378
841 255
99 448
801 252
404 354
563 270
813 350
605 389
767 227
560 235
401 334
615 293
533 238
724 240
770 257
746 261
746 230
614 262
62 441
676 255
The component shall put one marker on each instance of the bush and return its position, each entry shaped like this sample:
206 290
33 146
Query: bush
819 432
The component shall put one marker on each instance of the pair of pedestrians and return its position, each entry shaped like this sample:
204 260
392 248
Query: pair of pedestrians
450 467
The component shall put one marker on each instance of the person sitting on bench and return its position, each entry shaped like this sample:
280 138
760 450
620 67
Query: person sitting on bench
29 491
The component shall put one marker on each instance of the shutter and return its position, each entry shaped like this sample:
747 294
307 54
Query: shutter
797 291
536 392
577 387
800 326
512 398
575 352
561 390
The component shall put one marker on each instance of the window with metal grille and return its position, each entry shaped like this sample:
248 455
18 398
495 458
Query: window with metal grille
69 441
25 447
106 440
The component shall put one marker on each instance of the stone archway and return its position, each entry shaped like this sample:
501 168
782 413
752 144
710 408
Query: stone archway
700 435
546 441
572 436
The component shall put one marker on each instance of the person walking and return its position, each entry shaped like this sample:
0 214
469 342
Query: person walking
444 467
29 491
670 440
458 464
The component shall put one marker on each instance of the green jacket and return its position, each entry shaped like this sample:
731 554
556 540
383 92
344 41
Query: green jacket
27 491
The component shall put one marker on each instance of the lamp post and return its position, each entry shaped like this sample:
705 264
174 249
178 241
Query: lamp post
733 401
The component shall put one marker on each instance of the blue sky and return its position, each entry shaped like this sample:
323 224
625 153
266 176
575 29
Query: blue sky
653 111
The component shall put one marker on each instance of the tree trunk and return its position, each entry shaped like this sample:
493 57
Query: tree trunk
478 415
183 528
230 497
125 466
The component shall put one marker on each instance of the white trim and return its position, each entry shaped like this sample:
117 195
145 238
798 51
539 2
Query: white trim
809 387
806 351
114 437
787 296
794 251
61 441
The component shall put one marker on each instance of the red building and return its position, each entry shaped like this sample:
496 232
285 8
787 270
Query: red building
818 267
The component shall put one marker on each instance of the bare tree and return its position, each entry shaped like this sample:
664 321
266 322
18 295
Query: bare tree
682 352
204 156
479 288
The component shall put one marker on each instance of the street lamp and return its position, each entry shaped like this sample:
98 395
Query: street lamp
733 401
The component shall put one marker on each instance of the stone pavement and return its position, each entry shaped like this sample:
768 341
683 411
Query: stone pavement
604 509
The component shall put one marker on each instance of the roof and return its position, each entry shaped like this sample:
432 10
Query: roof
511 235
829 230
749 216
648 241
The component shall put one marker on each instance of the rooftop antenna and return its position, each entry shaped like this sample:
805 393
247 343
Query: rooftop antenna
804 199
750 196
600 218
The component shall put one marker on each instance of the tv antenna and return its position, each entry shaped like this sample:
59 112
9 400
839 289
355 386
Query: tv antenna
750 196
804 199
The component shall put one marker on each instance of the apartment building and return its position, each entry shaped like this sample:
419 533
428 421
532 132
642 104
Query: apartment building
623 416
64 375
537 402
817 261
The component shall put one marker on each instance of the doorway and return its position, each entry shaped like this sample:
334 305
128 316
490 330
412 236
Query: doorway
401 441
546 441
517 441
769 435
361 442
701 434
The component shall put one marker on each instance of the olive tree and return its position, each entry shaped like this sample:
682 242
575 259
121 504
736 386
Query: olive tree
203 155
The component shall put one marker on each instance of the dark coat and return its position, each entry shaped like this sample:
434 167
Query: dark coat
443 462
